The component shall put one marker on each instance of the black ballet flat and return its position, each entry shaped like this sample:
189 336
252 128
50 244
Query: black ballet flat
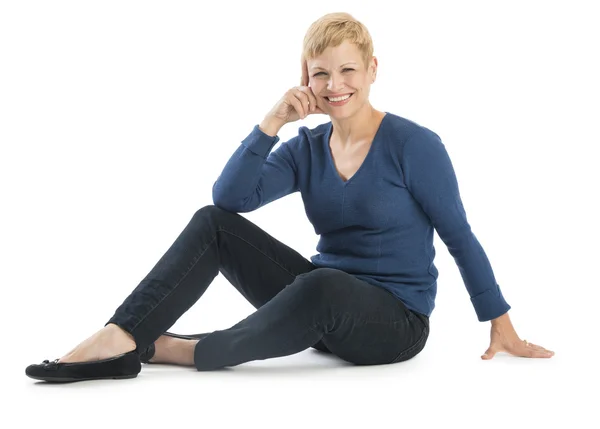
148 353
126 365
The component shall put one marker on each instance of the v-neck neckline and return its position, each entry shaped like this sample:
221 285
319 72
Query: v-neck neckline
362 166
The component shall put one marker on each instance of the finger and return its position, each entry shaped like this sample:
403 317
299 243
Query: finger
540 350
533 353
297 104
314 103
489 353
530 352
311 98
537 347
303 98
307 102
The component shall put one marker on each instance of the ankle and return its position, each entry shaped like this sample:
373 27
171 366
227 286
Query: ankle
119 335
176 351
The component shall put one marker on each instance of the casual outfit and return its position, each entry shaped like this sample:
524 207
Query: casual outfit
366 296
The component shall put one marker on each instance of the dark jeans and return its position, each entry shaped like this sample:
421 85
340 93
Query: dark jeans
298 305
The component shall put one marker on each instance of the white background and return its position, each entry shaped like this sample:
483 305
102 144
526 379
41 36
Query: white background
116 118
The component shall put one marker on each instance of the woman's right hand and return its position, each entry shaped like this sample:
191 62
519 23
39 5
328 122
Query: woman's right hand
297 103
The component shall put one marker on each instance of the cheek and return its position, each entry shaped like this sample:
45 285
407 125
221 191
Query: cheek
357 82
317 87
315 84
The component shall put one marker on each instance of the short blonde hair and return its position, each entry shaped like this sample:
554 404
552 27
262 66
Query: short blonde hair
332 30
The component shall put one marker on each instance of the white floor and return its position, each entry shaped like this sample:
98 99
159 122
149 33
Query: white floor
446 385
443 386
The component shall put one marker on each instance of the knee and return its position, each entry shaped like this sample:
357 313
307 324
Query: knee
321 285
318 297
208 210
206 218
208 213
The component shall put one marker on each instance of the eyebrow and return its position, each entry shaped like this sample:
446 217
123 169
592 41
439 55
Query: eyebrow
321 68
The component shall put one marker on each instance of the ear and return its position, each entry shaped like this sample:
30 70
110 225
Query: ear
374 65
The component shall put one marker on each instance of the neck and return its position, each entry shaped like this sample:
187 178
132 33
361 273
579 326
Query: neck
357 128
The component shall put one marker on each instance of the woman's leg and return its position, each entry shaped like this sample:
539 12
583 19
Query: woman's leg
359 322
215 240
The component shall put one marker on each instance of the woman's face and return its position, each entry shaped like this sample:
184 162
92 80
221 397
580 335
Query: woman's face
338 72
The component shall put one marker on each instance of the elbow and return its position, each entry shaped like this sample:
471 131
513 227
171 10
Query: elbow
222 203
233 205
219 199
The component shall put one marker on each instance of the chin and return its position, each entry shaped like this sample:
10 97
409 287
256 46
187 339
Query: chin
341 114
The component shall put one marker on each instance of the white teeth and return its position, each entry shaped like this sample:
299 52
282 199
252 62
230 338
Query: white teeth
339 98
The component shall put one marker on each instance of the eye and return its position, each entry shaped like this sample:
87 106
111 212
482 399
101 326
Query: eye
317 74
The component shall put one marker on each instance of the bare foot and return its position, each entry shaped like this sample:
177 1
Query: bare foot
177 351
107 342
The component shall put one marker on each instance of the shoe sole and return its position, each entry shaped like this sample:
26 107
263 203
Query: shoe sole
71 379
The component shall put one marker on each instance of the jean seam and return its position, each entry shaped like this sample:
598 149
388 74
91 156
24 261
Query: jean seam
196 261
175 287
260 251
349 314
418 343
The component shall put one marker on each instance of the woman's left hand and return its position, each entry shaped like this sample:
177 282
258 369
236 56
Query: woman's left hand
504 338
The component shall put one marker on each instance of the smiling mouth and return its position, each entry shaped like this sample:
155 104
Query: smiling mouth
339 99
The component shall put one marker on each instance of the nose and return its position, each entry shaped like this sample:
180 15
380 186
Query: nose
333 85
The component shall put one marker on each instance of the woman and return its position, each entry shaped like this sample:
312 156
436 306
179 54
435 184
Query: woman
375 186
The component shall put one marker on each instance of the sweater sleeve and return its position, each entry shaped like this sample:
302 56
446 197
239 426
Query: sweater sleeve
254 176
430 178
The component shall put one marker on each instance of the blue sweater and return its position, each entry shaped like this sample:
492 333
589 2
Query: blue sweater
378 225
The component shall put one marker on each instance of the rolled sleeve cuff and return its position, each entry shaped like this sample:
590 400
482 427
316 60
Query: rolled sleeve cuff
489 305
260 143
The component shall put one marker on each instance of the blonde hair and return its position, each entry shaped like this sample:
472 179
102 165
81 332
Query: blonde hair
332 30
